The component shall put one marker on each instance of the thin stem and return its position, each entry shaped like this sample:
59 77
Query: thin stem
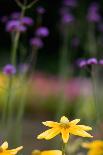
93 75
19 3
31 4
63 75
16 42
7 105
63 148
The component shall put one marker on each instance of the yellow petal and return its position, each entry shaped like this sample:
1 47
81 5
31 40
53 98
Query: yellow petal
15 151
84 127
48 134
74 122
36 152
64 120
65 135
95 152
79 132
50 123
4 146
51 152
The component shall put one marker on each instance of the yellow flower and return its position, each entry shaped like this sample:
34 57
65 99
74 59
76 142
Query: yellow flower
47 152
65 128
95 147
4 151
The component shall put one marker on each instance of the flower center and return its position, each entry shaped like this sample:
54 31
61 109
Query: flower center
64 125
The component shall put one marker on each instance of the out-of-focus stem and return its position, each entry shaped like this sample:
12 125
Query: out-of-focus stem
95 94
16 42
63 75
63 148
7 107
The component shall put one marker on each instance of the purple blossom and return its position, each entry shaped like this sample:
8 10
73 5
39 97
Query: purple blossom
67 18
40 10
15 25
82 63
9 69
92 61
42 32
36 42
71 3
93 13
15 15
100 62
27 21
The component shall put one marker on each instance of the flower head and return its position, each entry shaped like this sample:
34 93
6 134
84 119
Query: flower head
65 128
71 3
4 151
36 42
82 63
40 10
27 21
92 61
100 62
95 147
93 13
9 69
67 18
47 152
15 25
42 32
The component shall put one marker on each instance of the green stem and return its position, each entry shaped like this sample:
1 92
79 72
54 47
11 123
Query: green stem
16 41
63 148
63 67
7 106
94 76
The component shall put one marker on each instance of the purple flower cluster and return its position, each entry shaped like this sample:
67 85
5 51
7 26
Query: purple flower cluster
9 69
93 13
71 3
66 11
15 23
41 32
40 10
36 42
91 61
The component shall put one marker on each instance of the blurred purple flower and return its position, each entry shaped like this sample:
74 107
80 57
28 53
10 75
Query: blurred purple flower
9 69
67 18
36 42
4 19
71 3
15 15
27 21
75 42
93 13
40 10
92 61
82 63
100 62
42 32
15 25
